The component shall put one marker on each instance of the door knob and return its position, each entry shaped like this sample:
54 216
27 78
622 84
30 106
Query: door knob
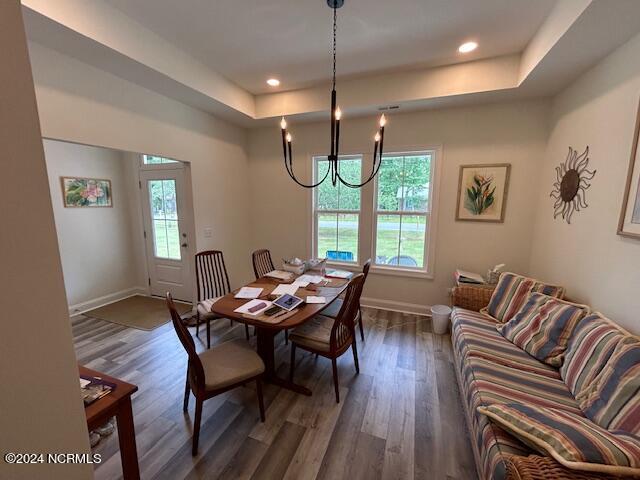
184 245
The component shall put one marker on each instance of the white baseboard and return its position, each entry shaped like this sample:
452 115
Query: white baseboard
394 306
79 308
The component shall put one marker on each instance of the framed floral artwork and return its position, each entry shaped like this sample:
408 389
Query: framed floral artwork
482 192
86 192
629 224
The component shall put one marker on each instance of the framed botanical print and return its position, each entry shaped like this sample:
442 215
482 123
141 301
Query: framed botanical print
86 192
629 224
482 192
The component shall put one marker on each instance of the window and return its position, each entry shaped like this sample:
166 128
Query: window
337 211
153 160
164 212
402 210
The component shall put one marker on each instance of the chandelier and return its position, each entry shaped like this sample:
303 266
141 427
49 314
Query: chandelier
333 167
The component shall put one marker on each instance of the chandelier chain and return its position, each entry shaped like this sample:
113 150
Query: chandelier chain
335 20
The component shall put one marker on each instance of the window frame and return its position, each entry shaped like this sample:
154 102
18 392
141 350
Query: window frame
173 165
315 212
427 270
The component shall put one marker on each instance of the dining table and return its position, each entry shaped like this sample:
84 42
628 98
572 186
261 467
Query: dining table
330 288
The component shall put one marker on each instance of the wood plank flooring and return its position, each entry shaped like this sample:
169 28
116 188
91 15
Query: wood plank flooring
401 418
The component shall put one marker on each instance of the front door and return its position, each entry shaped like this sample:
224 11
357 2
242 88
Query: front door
166 225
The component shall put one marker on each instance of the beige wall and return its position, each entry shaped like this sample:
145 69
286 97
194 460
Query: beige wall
83 104
97 245
513 133
40 405
597 266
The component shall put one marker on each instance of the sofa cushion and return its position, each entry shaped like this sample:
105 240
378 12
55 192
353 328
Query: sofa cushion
475 335
490 382
543 326
512 292
589 349
574 441
612 400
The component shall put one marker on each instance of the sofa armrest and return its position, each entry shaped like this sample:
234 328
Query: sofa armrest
470 297
535 467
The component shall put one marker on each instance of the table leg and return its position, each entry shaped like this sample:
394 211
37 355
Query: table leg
127 439
266 350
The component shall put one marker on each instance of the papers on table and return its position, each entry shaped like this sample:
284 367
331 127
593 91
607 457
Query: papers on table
284 289
315 279
279 274
339 274
314 299
249 292
84 382
300 284
248 308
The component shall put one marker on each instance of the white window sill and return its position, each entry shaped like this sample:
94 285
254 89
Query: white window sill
401 272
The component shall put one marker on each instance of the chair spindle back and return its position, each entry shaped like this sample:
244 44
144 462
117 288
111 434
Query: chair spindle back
343 329
195 364
211 275
262 263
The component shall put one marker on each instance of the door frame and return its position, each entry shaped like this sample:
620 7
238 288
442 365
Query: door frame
187 220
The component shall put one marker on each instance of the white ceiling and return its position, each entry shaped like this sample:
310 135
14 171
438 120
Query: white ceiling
248 41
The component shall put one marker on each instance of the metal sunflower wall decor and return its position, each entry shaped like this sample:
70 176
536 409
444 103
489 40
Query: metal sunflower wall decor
571 184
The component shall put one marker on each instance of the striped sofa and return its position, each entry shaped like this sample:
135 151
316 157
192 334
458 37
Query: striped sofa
492 370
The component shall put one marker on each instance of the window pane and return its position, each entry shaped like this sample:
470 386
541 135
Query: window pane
327 234
412 238
164 213
390 184
327 195
153 160
349 198
339 197
387 239
348 237
416 183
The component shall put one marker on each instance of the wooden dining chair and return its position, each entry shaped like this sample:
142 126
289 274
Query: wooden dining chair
215 371
212 283
262 264
331 337
333 309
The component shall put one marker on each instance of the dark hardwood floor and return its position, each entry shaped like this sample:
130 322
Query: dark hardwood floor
401 418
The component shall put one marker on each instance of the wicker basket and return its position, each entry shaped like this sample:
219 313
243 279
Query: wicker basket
471 298
535 467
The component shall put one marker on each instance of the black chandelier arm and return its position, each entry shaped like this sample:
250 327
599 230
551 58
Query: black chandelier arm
289 167
371 177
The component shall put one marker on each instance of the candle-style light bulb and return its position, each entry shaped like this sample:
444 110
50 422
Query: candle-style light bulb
338 113
283 124
377 137
383 120
289 137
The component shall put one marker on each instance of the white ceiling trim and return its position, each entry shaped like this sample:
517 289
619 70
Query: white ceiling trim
567 43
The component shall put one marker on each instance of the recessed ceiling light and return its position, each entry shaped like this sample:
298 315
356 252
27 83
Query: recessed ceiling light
273 82
467 47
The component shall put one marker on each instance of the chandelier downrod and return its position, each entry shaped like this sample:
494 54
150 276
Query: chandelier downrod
336 115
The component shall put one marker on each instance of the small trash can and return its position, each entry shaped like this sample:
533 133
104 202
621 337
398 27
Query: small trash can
440 318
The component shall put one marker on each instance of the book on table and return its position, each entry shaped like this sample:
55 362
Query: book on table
94 388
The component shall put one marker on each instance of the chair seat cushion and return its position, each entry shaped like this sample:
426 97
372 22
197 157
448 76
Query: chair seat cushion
574 441
230 363
204 309
315 334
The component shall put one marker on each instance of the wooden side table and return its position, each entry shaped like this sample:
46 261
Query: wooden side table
116 404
